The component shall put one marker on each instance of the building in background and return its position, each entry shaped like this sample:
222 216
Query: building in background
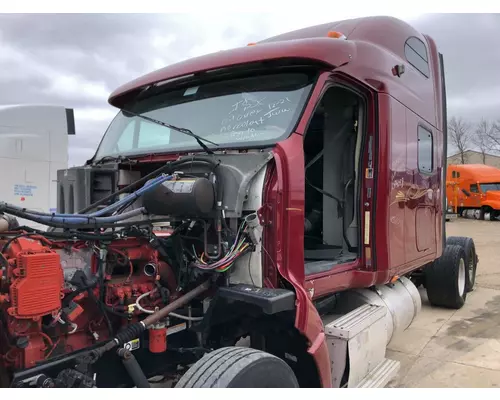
475 157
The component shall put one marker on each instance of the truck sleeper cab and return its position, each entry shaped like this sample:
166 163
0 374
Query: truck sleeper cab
334 136
474 187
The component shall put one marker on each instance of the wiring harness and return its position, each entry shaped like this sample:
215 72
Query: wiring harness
240 247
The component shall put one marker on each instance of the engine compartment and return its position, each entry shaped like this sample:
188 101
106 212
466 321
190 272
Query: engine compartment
134 274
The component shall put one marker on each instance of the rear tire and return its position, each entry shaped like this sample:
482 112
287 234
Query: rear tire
239 367
446 279
471 258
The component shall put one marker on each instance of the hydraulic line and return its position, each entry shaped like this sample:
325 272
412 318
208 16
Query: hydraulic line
144 310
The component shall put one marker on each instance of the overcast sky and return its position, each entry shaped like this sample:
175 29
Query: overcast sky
77 60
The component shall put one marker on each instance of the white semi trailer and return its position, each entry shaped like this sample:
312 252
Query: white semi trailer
33 146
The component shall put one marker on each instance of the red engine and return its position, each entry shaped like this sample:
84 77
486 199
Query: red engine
53 300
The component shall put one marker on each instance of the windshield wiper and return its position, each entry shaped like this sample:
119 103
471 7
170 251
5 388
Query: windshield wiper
120 159
186 131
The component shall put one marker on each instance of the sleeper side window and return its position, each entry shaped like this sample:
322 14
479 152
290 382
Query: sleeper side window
425 150
416 55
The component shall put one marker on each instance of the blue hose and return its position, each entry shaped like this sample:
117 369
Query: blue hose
83 220
132 196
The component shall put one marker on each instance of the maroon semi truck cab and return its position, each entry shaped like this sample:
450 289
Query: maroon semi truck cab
307 174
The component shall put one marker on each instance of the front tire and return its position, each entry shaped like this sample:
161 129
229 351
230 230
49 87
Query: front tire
445 278
238 367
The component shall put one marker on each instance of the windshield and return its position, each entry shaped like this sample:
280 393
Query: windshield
243 112
485 187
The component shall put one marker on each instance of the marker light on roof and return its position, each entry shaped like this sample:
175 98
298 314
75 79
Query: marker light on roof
251 44
336 35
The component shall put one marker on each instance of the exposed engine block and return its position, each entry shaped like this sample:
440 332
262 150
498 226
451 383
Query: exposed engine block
51 290
128 275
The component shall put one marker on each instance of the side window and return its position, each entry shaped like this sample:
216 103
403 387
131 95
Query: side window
425 150
458 174
454 174
416 55
126 141
474 188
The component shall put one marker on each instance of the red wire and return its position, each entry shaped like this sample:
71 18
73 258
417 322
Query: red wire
46 337
53 348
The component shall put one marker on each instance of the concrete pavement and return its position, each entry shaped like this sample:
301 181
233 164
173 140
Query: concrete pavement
457 348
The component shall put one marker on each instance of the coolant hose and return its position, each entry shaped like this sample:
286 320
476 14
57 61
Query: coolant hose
77 220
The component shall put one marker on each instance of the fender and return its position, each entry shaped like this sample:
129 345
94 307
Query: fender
494 204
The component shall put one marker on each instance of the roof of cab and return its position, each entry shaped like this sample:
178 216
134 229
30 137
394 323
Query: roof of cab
319 50
477 170
367 29
309 44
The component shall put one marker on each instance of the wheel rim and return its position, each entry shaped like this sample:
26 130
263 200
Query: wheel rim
461 277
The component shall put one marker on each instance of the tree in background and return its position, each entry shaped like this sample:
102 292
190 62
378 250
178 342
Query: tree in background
483 138
460 136
494 136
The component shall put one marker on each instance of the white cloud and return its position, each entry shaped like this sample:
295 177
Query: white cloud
95 114
476 104
70 86
78 60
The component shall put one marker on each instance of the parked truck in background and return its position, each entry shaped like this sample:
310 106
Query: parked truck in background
290 194
474 187
33 147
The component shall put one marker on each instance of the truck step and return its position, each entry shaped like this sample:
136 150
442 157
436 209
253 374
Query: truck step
381 375
358 339
350 325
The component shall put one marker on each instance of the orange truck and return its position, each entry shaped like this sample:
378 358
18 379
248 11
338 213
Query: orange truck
474 187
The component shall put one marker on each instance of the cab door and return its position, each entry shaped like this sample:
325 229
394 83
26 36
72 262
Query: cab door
475 195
